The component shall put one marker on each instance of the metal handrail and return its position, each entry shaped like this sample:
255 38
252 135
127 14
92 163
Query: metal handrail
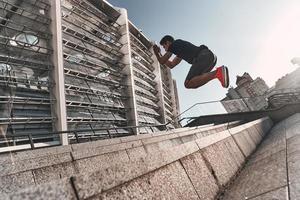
267 95
85 130
107 132
76 133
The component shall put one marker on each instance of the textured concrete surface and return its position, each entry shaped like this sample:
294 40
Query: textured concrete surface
293 144
294 190
25 155
189 138
260 177
159 138
244 142
34 163
12 183
190 165
89 152
279 194
101 162
93 184
221 161
254 134
96 144
169 182
293 153
266 126
61 189
178 152
136 153
200 176
263 128
273 143
212 139
161 145
235 151
54 172
273 171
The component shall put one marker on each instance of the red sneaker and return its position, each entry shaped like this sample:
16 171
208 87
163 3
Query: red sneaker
222 75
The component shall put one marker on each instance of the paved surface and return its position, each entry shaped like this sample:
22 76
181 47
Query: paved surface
273 171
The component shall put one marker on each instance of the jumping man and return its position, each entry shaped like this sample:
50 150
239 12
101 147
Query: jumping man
201 58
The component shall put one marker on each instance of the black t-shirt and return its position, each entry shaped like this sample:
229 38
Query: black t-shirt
185 50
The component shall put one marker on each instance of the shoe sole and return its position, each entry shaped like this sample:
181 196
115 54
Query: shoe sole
225 76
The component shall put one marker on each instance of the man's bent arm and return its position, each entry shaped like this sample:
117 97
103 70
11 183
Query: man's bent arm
174 62
162 59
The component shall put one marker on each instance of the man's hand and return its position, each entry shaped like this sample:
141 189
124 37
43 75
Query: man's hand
156 49
162 59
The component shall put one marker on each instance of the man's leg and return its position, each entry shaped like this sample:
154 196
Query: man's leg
221 73
200 80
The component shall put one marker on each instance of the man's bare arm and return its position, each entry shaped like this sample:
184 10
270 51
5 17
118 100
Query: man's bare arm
162 59
174 62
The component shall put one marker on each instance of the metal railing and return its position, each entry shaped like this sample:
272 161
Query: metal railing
238 105
75 136
86 135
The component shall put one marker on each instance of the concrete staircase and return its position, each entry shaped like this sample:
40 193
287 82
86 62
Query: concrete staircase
186 163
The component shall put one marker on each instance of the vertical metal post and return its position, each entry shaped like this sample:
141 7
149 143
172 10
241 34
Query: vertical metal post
108 133
151 128
59 108
76 135
166 127
31 141
132 131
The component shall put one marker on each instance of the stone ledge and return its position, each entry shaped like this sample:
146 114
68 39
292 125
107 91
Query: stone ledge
15 182
43 152
117 145
60 189
95 144
118 172
34 163
90 152
211 139
25 155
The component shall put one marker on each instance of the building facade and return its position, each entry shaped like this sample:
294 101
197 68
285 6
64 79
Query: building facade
249 95
286 90
79 64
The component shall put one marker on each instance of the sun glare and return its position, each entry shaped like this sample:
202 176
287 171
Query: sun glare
281 45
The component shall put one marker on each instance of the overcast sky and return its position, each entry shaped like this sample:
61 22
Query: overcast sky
258 36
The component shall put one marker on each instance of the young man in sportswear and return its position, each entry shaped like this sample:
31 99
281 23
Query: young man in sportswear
201 58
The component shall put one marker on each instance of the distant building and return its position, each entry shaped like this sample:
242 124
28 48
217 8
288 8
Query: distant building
249 95
291 80
286 90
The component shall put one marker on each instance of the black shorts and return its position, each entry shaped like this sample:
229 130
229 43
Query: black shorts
202 63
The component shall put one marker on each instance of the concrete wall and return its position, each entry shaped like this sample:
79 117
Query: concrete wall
187 163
